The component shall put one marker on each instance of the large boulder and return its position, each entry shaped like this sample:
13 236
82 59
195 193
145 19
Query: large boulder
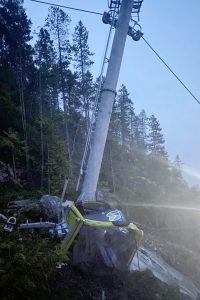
48 207
51 206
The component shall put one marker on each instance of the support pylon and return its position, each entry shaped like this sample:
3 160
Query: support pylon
106 103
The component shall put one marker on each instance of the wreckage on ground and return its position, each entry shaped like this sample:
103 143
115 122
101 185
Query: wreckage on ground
94 236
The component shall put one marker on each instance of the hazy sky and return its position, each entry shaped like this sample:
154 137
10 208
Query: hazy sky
172 28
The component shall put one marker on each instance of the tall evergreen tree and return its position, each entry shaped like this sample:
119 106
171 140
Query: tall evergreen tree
125 108
142 128
45 53
47 70
82 54
15 32
177 164
155 137
16 60
82 58
45 61
58 23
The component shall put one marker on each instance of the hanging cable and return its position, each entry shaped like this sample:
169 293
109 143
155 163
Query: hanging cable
156 53
68 7
168 67
88 139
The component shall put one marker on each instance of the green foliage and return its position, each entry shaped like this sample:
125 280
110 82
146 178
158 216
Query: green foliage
81 49
155 137
26 264
124 111
11 191
135 164
15 32
82 61
45 109
57 165
58 23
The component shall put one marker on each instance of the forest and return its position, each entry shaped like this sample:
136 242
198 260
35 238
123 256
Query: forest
47 95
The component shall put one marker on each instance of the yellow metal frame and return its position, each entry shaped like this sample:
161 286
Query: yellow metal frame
75 216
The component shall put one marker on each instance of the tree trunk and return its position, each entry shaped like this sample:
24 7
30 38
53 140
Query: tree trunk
41 133
24 123
67 139
14 164
48 171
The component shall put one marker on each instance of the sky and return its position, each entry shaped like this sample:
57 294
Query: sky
172 28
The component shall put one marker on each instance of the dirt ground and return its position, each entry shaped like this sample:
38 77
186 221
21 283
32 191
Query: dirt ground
73 285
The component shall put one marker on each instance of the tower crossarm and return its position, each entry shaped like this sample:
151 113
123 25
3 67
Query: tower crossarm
115 5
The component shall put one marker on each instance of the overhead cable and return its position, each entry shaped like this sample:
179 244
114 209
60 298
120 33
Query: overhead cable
168 67
68 7
155 52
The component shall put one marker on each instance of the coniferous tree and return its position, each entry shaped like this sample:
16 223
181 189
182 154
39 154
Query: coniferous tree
177 162
58 23
142 128
82 59
81 49
10 142
135 132
45 61
15 33
177 167
125 109
114 127
49 96
155 137
16 59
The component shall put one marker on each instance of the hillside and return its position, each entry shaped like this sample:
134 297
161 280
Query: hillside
47 96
